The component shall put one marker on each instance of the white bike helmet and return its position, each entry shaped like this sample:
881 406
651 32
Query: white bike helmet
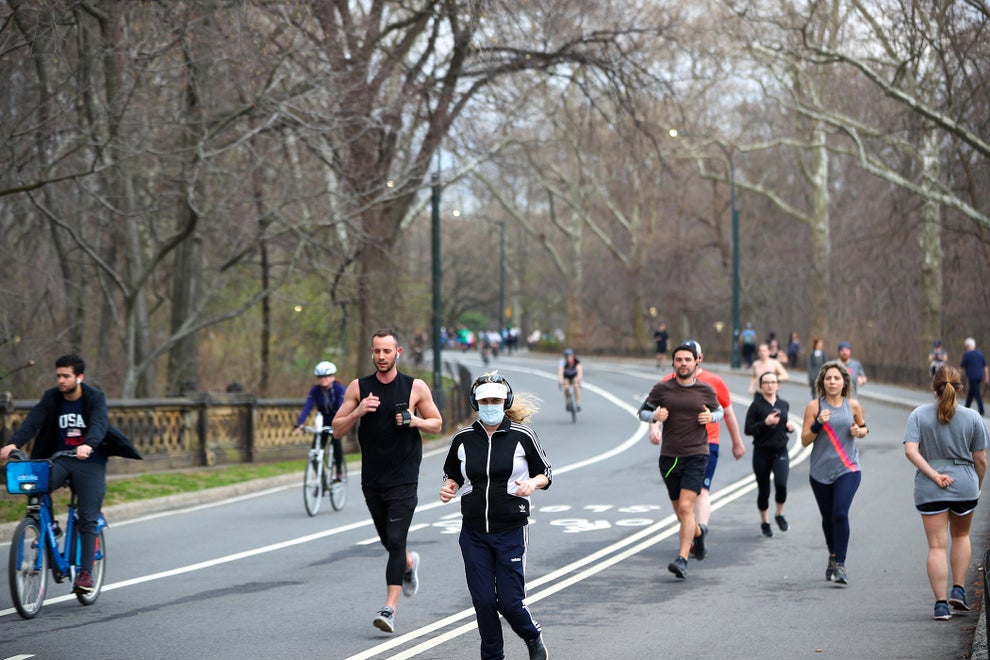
325 369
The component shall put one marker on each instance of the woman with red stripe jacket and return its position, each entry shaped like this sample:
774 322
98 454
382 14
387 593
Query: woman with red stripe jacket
832 422
497 463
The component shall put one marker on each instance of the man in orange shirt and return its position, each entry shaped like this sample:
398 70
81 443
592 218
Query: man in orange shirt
703 506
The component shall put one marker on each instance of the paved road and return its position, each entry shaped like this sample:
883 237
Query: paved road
255 577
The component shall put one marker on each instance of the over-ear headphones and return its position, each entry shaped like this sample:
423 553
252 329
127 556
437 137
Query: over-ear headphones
493 377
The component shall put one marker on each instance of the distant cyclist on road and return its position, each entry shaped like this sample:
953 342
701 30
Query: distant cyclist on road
570 371
326 396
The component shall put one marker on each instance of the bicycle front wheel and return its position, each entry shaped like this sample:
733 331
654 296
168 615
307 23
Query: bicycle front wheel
28 568
313 485
98 572
338 489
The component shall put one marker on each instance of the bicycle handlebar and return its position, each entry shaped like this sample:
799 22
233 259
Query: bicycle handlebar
320 429
18 455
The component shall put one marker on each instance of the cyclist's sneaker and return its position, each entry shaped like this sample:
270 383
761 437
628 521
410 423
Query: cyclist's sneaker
410 581
957 599
765 528
537 650
840 573
830 569
83 583
782 523
698 548
678 567
338 477
385 621
942 612
579 408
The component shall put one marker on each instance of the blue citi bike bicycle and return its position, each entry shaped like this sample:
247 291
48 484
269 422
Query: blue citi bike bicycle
34 548
319 478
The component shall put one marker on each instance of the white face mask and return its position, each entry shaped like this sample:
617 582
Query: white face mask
491 414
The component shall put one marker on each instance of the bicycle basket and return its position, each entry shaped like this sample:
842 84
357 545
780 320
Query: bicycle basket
25 477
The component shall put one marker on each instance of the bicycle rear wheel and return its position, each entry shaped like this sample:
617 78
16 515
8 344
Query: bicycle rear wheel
27 568
313 484
338 489
98 572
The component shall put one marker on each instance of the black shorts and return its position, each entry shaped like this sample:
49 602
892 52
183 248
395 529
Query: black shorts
683 473
959 508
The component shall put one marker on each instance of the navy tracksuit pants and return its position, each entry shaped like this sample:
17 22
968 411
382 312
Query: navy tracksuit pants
495 565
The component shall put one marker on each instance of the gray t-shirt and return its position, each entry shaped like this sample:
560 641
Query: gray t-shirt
827 464
949 449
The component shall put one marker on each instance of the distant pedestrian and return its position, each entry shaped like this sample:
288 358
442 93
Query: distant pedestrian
775 351
497 463
661 337
832 423
857 375
974 364
766 421
793 349
747 343
816 358
937 357
948 445
765 364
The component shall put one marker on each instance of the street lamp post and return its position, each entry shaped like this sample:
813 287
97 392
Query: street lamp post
501 274
736 360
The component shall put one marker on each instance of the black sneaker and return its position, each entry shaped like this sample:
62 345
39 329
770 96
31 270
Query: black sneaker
957 599
782 523
537 649
698 549
678 567
765 528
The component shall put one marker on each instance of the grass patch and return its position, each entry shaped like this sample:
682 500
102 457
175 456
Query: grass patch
160 484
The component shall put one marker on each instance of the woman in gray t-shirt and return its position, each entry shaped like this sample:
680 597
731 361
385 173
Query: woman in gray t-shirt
947 443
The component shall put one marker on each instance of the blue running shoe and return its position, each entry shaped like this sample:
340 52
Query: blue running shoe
957 599
942 612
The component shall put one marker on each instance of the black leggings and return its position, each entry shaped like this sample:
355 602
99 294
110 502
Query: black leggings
392 511
765 462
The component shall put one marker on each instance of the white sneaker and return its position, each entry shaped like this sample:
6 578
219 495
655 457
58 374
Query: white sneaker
410 581
385 621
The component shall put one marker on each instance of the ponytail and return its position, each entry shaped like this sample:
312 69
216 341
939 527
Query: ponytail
946 384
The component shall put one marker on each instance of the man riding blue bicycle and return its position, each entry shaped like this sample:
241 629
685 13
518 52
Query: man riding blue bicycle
73 416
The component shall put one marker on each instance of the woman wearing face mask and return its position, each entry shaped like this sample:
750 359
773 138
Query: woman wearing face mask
497 463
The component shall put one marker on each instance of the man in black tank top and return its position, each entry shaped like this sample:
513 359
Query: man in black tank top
392 409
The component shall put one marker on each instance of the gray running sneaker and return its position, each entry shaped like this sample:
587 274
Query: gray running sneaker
678 567
840 574
385 621
830 569
410 581
957 599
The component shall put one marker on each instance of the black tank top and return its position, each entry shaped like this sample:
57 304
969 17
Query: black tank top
390 455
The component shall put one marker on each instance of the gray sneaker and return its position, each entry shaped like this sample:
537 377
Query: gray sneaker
830 569
840 574
410 581
385 621
678 567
